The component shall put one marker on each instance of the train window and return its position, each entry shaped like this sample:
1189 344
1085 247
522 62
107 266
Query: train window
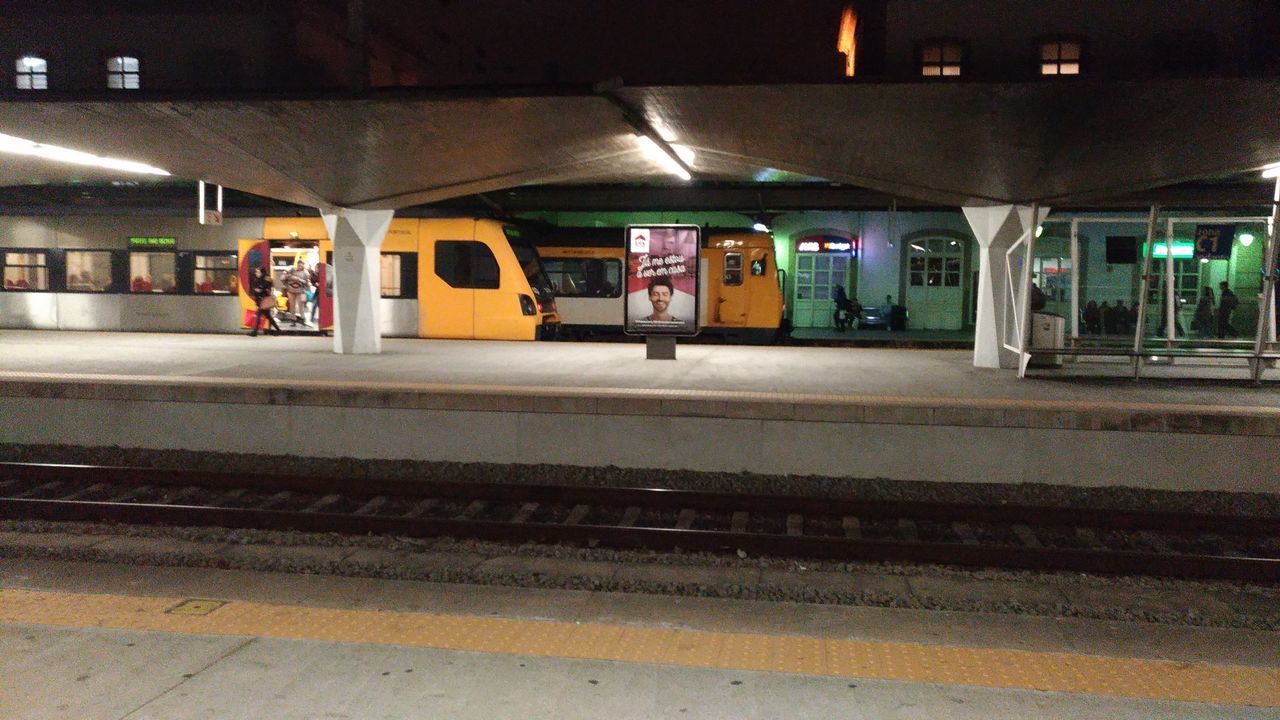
733 268
216 274
89 271
153 272
391 286
466 264
758 266
585 277
26 271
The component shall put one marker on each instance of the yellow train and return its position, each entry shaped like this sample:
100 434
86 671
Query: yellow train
441 278
741 283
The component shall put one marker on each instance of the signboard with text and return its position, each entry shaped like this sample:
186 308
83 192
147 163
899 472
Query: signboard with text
662 280
1214 241
162 243
826 244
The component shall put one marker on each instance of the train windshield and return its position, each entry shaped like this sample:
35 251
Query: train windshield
521 244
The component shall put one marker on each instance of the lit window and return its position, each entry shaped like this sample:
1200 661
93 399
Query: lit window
215 274
847 41
1060 57
941 59
391 277
152 272
31 73
123 73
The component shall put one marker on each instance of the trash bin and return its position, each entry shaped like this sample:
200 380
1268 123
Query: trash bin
1048 331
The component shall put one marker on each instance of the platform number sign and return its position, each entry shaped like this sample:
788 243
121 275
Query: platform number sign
662 295
1213 242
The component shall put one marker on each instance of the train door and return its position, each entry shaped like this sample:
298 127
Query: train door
729 292
253 254
448 255
935 296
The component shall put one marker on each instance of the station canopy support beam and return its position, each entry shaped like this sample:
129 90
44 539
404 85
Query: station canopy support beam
997 229
357 240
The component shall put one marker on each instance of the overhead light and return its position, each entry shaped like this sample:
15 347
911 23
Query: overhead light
1039 230
659 154
1204 261
1271 171
759 225
1246 239
19 146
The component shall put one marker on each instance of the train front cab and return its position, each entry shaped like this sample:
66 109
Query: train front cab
743 297
480 279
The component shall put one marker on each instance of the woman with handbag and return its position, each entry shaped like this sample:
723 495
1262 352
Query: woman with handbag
263 291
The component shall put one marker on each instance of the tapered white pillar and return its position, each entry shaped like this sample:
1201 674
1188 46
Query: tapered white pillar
996 229
357 238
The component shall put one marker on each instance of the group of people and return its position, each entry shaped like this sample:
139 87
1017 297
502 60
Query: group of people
299 283
1107 319
848 312
143 284
1212 318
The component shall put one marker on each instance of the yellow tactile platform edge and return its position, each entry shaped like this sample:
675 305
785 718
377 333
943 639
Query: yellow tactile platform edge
983 667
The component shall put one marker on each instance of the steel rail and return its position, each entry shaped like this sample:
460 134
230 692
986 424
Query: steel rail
1038 515
1105 561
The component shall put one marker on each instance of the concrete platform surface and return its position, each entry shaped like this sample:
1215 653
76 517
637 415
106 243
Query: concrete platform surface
115 641
933 376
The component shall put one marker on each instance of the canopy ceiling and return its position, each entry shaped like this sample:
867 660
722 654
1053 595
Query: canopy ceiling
952 144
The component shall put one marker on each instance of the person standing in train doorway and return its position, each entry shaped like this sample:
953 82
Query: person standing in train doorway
296 283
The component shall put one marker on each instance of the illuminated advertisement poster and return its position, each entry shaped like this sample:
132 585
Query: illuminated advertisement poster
662 280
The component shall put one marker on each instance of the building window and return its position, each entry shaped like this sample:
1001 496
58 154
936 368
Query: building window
935 262
88 270
466 264
847 40
216 274
152 272
25 271
941 58
1060 57
123 73
585 277
31 73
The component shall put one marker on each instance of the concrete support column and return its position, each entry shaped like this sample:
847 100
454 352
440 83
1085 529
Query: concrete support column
996 229
357 267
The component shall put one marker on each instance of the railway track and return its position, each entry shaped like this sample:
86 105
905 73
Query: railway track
1025 537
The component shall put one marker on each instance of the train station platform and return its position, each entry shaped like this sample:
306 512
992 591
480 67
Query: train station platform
92 641
838 412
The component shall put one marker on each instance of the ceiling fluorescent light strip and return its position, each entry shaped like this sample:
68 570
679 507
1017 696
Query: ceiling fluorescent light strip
663 157
19 146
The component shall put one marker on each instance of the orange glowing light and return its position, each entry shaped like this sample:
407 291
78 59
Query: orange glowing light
847 43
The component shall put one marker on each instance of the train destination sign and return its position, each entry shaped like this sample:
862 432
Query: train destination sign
662 280
153 242
826 244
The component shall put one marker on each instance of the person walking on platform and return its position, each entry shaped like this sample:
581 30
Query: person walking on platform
1203 323
1226 305
263 291
844 310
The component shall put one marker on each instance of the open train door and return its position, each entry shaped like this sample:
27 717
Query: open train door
324 296
253 254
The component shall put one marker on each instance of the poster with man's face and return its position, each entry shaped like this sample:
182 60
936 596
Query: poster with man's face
662 280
